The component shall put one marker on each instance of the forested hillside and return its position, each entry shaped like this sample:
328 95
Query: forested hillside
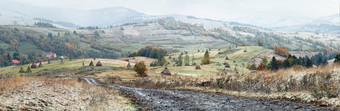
242 35
30 43
172 34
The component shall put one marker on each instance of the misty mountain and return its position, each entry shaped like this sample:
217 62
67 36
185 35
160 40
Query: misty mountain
12 13
331 19
328 24
11 18
24 14
72 18
206 22
276 21
96 17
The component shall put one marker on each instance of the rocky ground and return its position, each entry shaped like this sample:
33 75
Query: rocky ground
159 99
20 93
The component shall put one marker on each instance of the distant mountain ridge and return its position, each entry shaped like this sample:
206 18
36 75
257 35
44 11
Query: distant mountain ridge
13 13
327 24
95 17
110 16
331 19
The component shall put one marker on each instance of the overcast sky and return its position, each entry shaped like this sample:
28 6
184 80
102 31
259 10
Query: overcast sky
214 9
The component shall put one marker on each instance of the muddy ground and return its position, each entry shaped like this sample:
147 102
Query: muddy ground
160 99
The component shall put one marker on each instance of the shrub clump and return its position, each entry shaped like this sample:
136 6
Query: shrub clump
140 68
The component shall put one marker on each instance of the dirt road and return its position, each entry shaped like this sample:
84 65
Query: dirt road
173 100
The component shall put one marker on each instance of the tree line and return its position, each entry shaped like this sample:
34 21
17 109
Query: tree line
293 61
42 24
150 51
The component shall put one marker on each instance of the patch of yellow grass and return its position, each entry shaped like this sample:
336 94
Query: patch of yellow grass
124 74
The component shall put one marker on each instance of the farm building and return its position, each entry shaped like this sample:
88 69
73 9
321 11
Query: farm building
51 55
15 62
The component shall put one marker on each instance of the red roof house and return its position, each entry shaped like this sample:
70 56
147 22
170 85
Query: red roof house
15 61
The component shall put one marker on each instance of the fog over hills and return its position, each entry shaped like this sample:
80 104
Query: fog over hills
332 19
13 13
96 17
27 14
327 24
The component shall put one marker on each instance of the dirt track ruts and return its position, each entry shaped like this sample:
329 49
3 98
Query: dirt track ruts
173 100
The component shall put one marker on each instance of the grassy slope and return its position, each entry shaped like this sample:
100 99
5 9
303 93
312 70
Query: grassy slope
134 37
75 64
240 57
54 66
3 45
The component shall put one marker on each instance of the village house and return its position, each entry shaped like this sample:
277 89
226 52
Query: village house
15 62
51 55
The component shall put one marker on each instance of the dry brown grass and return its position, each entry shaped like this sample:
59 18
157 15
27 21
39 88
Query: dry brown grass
310 83
16 82
295 80
318 84
61 91
12 83
323 77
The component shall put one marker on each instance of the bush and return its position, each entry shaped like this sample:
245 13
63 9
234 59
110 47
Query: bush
140 68
160 62
154 64
297 67
337 59
251 67
206 58
261 68
149 51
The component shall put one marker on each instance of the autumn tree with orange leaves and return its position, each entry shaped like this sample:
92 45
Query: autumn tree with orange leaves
281 51
140 68
70 49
